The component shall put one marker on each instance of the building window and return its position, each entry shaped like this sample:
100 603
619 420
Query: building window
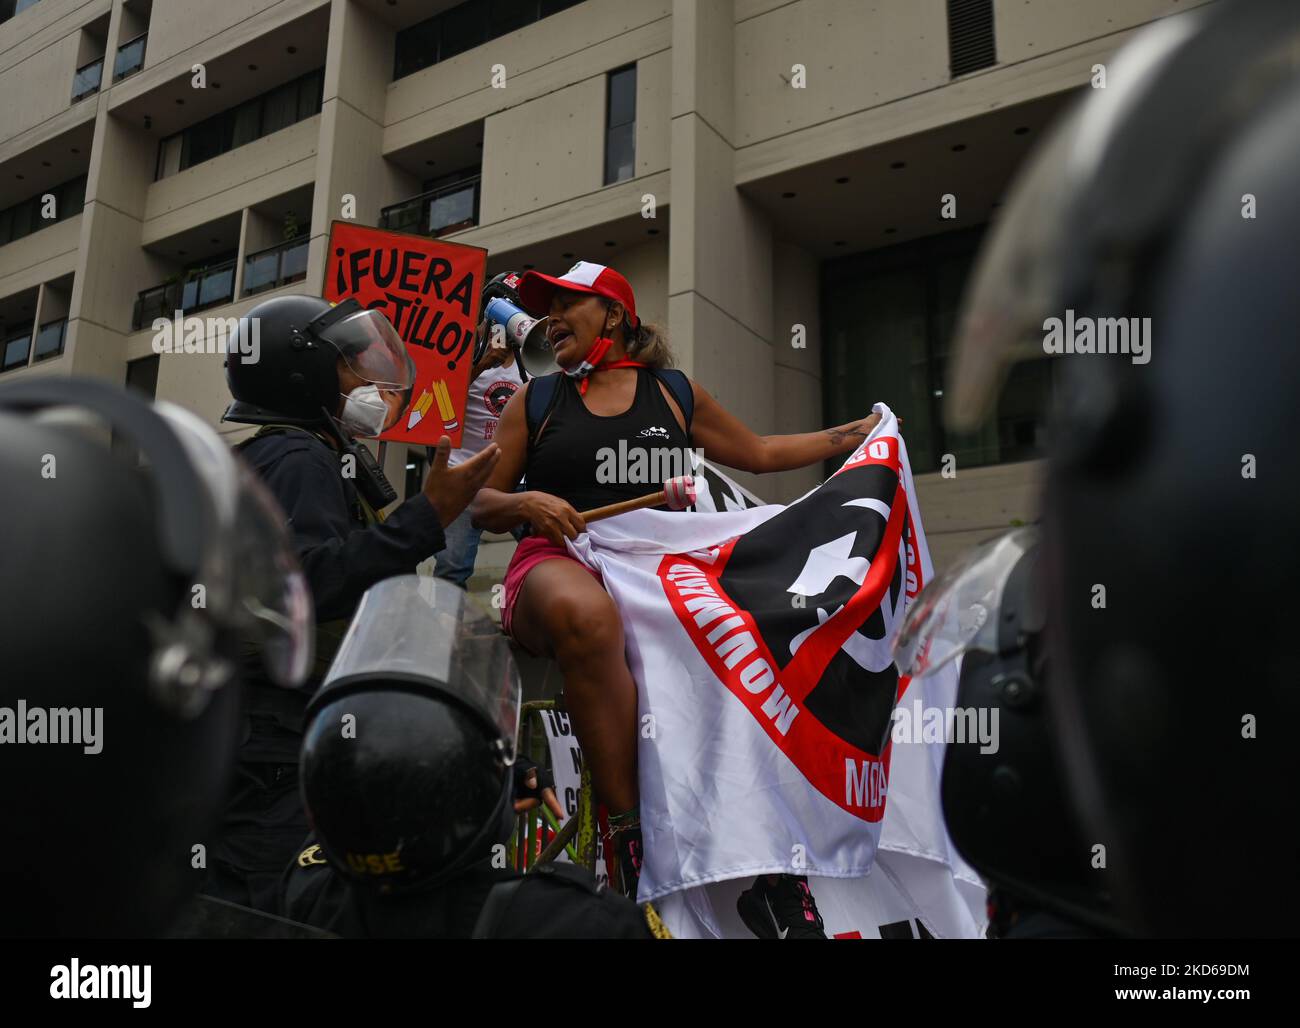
22 219
888 320
620 125
142 376
464 27
278 109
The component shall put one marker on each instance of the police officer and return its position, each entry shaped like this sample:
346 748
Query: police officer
126 597
1006 807
407 775
325 374
1169 556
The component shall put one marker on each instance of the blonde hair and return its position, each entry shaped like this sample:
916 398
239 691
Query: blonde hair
648 344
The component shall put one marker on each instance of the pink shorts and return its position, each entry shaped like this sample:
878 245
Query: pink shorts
528 554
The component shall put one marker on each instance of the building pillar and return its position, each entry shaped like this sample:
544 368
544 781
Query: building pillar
720 254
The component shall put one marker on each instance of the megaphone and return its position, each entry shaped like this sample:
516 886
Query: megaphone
525 334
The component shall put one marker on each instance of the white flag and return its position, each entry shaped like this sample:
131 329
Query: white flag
759 638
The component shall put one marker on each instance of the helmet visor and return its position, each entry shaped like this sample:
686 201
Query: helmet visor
427 632
274 602
253 585
958 611
372 350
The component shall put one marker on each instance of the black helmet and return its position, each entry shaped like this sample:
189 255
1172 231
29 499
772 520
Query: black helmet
1170 506
405 763
505 286
123 605
289 373
1005 804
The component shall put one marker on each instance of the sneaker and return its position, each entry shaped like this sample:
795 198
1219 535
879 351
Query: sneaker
781 907
628 851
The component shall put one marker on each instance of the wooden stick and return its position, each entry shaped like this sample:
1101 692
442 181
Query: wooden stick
623 506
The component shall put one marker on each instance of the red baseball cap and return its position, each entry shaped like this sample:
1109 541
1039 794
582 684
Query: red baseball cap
536 289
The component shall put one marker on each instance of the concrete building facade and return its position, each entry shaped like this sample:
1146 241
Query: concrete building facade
794 187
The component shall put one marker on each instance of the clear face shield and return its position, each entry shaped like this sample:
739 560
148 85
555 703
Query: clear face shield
373 351
960 610
426 632
252 584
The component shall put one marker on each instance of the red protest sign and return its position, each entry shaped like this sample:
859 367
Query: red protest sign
430 291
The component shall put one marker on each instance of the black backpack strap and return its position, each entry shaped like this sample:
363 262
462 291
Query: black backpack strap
540 395
680 386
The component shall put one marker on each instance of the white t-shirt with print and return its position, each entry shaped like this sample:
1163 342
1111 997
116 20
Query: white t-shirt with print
488 396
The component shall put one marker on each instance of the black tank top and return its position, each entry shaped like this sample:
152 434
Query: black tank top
591 460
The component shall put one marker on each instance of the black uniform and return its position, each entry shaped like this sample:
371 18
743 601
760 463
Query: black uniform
556 901
343 550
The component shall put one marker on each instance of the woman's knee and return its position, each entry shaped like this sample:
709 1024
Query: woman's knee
584 625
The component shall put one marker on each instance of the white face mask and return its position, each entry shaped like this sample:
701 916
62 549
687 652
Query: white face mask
364 411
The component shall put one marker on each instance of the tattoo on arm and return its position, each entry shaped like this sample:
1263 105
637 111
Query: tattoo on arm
838 436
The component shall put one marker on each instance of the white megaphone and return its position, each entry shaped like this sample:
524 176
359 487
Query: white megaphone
525 334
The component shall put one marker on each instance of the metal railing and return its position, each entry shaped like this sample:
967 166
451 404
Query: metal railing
15 351
130 57
197 291
446 209
539 837
276 266
86 81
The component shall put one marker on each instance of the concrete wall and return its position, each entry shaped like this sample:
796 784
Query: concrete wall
544 151
646 268
41 256
857 54
38 59
1031 28
580 43
175 27
262 169
975 505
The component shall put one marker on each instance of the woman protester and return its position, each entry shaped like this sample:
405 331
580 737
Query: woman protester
613 388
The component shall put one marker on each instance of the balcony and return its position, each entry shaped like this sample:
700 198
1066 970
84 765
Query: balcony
86 81
130 57
198 290
438 212
276 266
16 350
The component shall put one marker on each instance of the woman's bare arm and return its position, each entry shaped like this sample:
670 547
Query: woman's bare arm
498 508
726 439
